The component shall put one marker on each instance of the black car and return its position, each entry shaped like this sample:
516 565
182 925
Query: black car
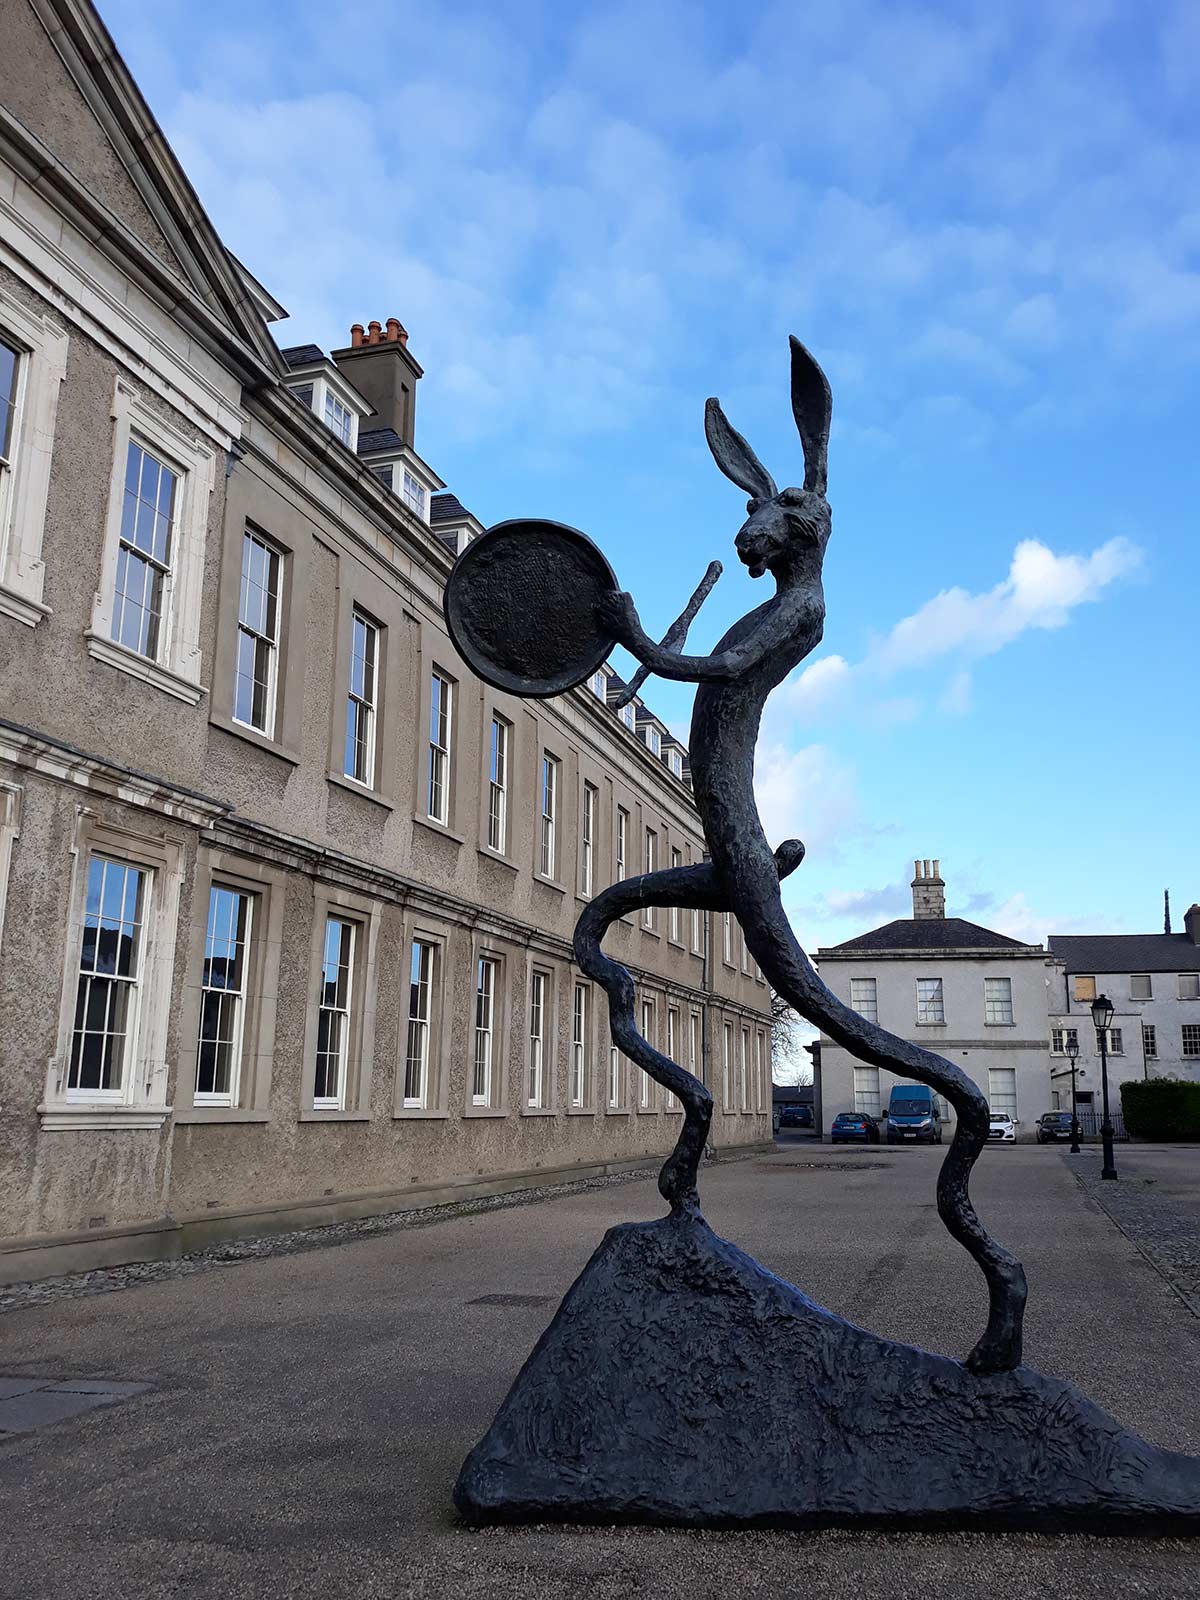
854 1127
1053 1126
795 1117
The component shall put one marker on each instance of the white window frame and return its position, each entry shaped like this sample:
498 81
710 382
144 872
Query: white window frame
760 1076
133 982
1190 1035
549 788
42 350
345 1011
142 1100
413 493
675 761
422 977
998 1002
727 1065
579 1046
931 1007
362 705
441 746
599 686
697 932
864 998
251 536
646 1084
498 756
695 1045
175 668
673 912
1114 1041
614 1077
229 1097
1002 1092
10 832
1061 1037
744 1064
727 938
483 1055
587 840
671 1100
339 419
622 844
539 988
1150 1041
629 717
651 865
867 1100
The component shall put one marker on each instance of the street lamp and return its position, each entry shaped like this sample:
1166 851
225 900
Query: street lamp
1073 1057
1102 1012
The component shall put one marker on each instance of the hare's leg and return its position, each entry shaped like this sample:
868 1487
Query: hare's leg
691 888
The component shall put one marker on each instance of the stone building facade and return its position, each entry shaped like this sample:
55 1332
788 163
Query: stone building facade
286 896
973 995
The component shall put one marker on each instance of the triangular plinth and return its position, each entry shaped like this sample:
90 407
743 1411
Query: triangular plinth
682 1383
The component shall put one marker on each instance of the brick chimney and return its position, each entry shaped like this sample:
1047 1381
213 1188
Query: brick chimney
928 891
1191 923
381 367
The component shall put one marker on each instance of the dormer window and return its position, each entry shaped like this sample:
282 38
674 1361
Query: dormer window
413 494
654 740
600 686
339 419
676 762
628 715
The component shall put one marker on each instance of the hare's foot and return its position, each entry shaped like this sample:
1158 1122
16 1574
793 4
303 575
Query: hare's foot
999 1350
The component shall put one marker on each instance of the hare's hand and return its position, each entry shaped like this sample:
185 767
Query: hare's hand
617 614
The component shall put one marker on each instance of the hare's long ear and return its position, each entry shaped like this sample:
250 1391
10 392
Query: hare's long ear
812 407
734 456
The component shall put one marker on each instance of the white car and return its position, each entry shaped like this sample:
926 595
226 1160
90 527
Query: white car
1001 1129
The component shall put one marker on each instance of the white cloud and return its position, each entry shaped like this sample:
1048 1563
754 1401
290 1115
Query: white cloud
806 794
1041 591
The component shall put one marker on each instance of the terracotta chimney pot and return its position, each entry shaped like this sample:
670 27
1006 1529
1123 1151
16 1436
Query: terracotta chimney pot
373 332
356 335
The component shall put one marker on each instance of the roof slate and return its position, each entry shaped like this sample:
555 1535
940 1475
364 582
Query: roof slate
372 439
1126 952
302 355
932 933
447 508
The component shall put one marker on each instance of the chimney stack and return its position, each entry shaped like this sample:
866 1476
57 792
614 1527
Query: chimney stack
929 891
381 367
1191 923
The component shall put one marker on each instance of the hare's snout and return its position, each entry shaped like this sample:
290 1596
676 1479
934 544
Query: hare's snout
755 549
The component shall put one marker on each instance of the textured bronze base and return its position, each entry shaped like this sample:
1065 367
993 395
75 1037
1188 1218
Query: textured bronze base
682 1383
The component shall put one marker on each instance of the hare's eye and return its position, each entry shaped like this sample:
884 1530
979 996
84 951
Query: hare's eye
752 506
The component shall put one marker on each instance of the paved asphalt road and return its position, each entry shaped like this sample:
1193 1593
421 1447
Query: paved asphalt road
308 1413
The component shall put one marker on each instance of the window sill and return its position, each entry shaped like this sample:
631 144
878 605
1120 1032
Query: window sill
489 854
151 672
581 1111
484 1111
334 1116
652 933
419 1114
647 1111
439 828
67 1116
537 1111
999 1024
21 608
361 790
549 883
616 1111
254 736
198 1114
929 1024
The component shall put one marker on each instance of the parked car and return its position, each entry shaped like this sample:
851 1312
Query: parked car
795 1116
854 1127
1053 1126
1001 1129
913 1115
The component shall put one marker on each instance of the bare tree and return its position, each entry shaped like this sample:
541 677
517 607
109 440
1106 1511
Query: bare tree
790 1062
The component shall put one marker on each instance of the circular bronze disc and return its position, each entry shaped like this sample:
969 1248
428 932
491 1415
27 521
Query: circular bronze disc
520 604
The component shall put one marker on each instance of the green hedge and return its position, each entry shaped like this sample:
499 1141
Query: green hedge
1161 1108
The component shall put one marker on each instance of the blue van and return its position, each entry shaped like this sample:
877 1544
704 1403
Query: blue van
912 1115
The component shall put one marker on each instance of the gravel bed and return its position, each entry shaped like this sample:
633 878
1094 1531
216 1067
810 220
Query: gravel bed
1166 1234
107 1280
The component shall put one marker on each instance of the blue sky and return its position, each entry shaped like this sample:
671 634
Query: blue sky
985 221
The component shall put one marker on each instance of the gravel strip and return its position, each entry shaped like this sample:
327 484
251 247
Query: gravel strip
1166 1235
107 1280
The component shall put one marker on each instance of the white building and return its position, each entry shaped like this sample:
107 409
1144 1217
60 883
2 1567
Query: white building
975 996
1153 982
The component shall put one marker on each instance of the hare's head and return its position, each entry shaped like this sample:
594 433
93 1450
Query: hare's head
786 528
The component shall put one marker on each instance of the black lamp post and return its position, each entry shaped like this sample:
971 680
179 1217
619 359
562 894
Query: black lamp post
1102 1011
1073 1057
